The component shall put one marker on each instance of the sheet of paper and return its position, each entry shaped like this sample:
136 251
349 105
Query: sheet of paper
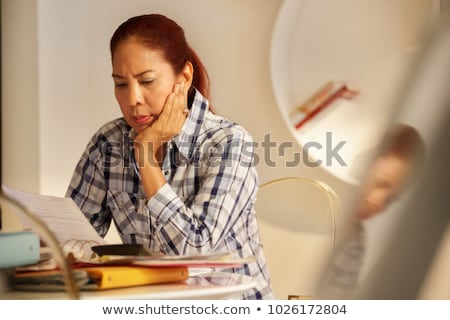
61 215
194 261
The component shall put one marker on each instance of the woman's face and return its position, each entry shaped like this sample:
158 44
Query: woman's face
143 79
386 181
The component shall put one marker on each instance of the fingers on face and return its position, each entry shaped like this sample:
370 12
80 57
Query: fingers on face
176 104
180 100
167 110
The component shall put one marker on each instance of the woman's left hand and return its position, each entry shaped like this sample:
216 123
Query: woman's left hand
168 124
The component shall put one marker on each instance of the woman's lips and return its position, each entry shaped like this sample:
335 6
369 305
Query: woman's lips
141 119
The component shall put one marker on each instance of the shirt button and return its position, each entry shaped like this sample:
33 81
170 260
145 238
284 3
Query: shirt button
166 172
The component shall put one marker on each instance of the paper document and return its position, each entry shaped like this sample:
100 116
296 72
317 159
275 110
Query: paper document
61 215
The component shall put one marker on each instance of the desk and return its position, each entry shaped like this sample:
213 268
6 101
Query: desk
215 285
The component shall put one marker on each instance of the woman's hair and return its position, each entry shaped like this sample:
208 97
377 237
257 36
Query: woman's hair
159 32
405 143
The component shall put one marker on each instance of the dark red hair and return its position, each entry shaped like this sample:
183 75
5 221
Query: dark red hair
159 32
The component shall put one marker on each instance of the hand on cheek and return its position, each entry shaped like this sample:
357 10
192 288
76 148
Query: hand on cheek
170 120
173 114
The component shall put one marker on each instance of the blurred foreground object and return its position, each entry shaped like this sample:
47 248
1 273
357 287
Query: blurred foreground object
401 271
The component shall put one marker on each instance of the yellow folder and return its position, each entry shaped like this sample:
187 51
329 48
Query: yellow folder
126 276
100 277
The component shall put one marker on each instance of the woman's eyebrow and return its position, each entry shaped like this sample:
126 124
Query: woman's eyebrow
114 75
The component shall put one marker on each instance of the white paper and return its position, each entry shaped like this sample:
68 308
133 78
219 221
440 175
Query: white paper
61 215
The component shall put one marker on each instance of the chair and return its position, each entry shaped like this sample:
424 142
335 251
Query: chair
297 222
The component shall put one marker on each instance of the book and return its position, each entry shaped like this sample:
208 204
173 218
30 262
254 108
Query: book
100 277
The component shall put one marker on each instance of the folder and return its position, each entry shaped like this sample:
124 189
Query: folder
123 276
100 278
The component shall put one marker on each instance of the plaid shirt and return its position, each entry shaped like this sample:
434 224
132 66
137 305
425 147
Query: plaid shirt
205 206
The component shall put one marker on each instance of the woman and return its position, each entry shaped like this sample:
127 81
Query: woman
172 175
389 175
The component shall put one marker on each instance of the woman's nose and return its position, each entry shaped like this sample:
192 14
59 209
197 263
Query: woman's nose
135 96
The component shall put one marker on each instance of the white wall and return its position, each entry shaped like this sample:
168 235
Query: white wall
20 92
76 96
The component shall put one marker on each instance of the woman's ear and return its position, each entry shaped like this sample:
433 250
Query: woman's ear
188 73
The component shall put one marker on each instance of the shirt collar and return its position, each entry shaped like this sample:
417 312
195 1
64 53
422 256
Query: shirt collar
187 139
